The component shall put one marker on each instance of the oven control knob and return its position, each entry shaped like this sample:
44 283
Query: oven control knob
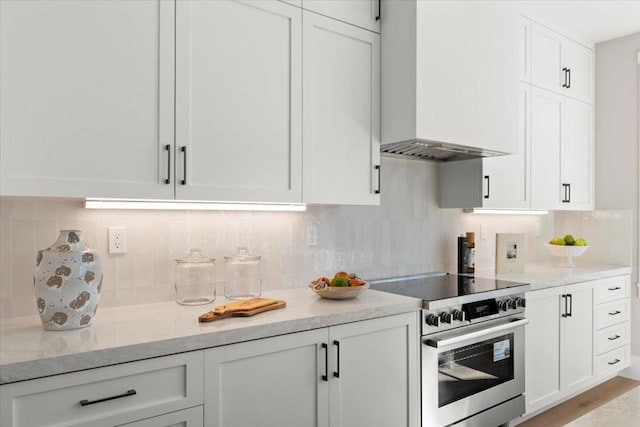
503 305
513 304
446 317
521 302
458 315
432 320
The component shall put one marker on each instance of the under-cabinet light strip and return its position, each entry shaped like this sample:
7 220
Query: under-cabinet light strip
506 211
195 206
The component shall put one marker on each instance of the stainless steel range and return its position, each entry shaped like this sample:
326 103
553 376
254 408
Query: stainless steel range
472 347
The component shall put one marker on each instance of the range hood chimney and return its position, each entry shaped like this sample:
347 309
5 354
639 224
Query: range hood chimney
449 79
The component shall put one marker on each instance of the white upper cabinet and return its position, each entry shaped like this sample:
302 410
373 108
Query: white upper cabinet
547 110
363 13
86 98
562 147
238 101
560 64
500 182
341 105
450 73
578 154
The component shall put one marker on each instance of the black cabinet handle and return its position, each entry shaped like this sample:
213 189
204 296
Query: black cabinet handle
564 297
615 289
566 195
569 73
326 361
379 10
570 298
565 77
569 198
614 313
486 196
168 148
379 169
614 362
184 169
613 338
336 373
86 402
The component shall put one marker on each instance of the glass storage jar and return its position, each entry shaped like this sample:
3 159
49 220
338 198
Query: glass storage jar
195 279
242 275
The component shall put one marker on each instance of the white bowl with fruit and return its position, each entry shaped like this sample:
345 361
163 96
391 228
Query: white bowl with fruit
342 286
567 247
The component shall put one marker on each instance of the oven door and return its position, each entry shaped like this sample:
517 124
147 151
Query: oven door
468 370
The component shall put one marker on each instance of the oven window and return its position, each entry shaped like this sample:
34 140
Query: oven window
473 368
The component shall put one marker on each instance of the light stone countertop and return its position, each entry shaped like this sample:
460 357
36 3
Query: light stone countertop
549 274
128 333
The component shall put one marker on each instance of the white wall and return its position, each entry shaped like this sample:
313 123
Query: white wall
617 140
406 234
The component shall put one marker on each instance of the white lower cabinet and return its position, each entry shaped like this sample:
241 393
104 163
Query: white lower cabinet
358 374
577 336
559 343
110 396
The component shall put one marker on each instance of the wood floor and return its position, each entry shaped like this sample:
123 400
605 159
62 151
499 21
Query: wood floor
583 403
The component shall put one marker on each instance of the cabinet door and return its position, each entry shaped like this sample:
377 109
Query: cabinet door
577 356
579 60
577 154
238 101
86 98
544 337
546 59
341 122
363 13
273 381
506 178
374 380
547 109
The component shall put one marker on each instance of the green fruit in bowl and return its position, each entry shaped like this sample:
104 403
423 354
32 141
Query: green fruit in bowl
569 240
557 241
340 282
580 242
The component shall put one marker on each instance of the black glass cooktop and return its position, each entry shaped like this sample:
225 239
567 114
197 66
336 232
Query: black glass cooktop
449 287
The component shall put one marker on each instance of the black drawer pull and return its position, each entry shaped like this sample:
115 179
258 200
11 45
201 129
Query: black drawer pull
379 169
86 402
613 338
613 313
615 289
614 362
336 373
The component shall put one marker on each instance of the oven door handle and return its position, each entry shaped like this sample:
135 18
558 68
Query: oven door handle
476 334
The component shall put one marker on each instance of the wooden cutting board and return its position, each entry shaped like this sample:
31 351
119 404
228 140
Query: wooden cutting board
244 308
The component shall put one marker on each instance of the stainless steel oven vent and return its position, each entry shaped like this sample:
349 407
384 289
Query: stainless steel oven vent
436 151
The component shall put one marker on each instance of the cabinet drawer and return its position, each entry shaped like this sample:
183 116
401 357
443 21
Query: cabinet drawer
613 361
613 337
612 289
192 417
106 396
612 313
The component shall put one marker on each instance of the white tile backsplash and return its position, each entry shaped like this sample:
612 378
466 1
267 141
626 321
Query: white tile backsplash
406 234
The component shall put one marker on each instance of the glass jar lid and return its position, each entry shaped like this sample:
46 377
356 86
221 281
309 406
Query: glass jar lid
195 257
242 255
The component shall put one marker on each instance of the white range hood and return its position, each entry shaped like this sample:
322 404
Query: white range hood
449 79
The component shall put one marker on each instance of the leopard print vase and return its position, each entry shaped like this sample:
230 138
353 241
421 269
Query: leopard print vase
67 280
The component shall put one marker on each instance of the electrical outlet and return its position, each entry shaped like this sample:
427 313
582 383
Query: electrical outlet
117 240
312 235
